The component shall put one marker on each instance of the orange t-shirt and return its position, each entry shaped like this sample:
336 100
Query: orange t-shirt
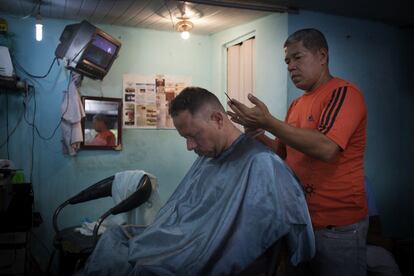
107 137
334 191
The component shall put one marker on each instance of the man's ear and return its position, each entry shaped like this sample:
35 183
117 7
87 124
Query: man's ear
323 55
218 118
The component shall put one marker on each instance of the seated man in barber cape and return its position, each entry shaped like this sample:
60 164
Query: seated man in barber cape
237 200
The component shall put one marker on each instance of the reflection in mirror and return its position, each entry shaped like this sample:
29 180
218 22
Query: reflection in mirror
102 125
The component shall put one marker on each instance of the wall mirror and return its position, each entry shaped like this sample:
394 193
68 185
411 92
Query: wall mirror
102 125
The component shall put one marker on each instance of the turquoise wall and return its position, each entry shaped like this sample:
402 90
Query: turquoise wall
270 32
56 177
161 152
372 55
377 58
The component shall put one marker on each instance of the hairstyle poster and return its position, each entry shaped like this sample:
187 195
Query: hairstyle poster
146 99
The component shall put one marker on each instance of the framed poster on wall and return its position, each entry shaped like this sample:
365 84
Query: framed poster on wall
146 99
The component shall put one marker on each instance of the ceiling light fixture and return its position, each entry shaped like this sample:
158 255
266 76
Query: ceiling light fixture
184 26
39 25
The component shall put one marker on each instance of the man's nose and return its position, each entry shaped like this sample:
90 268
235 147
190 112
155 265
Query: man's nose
191 145
291 66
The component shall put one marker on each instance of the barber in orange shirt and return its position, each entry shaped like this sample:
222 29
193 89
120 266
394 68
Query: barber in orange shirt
323 140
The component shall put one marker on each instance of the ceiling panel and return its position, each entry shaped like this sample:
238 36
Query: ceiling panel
102 10
148 15
56 9
224 14
131 11
153 14
87 8
15 7
70 8
117 11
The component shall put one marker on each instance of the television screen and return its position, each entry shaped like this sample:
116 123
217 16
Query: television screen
100 51
87 49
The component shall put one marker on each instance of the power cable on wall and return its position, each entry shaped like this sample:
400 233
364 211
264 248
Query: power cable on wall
35 76
10 133
32 124
33 137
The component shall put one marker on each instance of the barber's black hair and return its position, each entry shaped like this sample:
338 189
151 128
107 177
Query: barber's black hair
103 118
312 39
193 99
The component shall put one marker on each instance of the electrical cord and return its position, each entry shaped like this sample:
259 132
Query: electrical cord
23 115
32 124
34 76
33 138
13 130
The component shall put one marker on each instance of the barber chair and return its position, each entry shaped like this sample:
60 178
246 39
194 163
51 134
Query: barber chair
270 263
17 219
73 247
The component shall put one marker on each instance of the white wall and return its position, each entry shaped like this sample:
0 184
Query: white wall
271 83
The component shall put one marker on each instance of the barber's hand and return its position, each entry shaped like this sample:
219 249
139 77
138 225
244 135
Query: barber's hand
251 118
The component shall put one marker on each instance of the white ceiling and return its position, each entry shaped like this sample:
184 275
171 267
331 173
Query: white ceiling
219 15
153 14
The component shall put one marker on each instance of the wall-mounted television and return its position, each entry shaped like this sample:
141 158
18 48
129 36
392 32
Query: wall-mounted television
87 49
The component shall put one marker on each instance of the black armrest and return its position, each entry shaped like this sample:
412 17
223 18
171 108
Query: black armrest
136 199
101 189
98 190
140 196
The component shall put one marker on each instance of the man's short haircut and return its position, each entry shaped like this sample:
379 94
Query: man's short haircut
103 118
312 39
194 99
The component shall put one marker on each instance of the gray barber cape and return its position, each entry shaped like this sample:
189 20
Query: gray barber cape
223 215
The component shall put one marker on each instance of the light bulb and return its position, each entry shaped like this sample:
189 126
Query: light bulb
39 30
185 35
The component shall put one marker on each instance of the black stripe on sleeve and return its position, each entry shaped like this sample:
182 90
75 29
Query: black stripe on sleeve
328 111
336 111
